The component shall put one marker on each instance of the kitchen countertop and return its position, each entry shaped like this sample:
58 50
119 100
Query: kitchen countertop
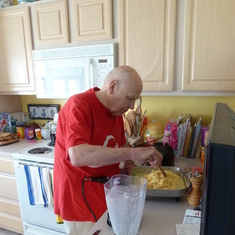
160 215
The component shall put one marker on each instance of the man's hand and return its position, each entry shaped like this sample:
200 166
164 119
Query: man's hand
128 165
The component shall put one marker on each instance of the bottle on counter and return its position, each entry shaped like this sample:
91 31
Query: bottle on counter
38 133
20 131
27 119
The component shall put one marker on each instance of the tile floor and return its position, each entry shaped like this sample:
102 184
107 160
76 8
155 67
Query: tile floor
6 232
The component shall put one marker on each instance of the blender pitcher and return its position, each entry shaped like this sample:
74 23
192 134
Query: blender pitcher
125 197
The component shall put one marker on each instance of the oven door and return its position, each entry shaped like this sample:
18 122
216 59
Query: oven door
30 229
30 214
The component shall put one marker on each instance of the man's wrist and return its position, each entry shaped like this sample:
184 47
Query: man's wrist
129 162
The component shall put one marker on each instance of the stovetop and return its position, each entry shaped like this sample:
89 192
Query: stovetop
40 152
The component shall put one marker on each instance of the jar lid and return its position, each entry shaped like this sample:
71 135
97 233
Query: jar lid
38 129
20 125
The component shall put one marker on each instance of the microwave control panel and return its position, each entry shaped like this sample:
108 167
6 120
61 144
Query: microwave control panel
102 66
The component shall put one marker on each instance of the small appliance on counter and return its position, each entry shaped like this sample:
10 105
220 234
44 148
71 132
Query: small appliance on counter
218 198
53 126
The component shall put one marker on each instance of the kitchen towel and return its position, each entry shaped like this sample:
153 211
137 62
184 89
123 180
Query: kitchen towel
51 177
46 185
29 185
34 185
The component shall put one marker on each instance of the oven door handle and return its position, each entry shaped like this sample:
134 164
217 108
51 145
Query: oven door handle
20 165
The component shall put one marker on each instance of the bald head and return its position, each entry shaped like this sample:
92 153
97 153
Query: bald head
127 78
121 88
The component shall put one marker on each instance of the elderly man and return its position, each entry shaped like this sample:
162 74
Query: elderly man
90 144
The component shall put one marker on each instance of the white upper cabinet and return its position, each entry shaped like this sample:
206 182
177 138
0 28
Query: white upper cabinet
16 75
208 45
92 20
50 23
147 40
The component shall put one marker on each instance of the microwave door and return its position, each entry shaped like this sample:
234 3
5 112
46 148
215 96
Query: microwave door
61 78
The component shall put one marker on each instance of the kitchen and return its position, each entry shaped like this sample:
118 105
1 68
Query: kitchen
161 104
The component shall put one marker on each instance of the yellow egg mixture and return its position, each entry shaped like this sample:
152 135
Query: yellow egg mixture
156 180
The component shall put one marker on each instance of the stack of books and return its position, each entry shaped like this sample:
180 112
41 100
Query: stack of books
189 138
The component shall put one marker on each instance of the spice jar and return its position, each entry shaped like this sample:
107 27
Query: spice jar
38 133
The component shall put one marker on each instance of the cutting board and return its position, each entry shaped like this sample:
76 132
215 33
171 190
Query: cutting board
4 134
5 142
8 138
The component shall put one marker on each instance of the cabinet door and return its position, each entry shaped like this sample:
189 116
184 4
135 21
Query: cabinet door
6 166
50 23
92 20
12 223
9 204
8 188
147 41
16 70
208 46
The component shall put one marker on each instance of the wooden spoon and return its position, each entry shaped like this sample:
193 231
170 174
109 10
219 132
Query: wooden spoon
163 172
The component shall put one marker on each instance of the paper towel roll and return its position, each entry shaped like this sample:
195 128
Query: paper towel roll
56 116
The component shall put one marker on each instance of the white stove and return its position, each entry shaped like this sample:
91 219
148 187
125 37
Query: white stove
37 219
40 152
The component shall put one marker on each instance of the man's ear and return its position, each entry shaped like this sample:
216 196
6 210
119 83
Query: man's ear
112 86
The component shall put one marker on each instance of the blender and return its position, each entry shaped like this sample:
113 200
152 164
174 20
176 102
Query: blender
125 198
52 128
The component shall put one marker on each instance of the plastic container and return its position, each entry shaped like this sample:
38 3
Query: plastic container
125 198
29 133
20 131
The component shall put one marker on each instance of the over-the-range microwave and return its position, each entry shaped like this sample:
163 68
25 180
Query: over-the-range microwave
62 72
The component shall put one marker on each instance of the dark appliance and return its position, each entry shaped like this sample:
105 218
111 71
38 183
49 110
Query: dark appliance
218 200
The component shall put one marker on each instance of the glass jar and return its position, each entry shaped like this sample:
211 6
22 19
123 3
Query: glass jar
38 133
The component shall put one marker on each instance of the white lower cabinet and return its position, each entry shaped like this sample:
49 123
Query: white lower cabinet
10 217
